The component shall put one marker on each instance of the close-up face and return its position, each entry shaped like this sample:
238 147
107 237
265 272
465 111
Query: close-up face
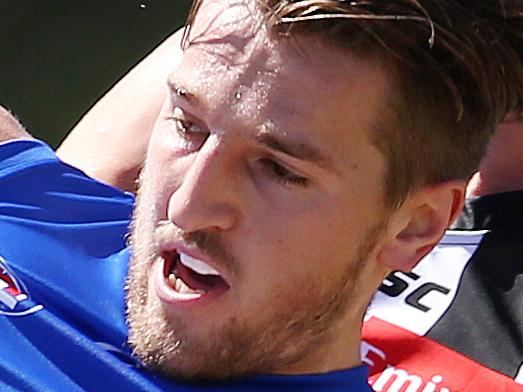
260 205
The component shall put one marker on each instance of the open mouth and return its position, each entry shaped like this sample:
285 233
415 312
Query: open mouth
190 277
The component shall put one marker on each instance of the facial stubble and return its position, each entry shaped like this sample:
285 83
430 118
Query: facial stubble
280 338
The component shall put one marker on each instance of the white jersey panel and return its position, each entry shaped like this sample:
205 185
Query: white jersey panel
415 301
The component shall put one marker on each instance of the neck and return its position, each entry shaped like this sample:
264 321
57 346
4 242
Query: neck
502 168
338 347
337 352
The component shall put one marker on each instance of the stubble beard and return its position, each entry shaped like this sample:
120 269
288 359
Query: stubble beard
279 339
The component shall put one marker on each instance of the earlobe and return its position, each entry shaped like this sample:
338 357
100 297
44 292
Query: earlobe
418 225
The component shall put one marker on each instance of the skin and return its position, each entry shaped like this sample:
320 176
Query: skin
302 241
110 141
10 127
500 169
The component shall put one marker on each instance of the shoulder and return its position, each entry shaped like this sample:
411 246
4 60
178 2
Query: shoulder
35 184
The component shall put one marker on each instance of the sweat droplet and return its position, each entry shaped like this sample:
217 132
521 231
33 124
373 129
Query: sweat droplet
238 95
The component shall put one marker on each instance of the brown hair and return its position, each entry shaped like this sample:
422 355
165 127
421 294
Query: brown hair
457 66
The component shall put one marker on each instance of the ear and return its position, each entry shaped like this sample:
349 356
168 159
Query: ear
418 225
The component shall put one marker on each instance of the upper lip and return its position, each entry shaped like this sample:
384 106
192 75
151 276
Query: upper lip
180 247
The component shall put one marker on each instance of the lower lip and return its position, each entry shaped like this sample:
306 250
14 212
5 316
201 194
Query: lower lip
168 295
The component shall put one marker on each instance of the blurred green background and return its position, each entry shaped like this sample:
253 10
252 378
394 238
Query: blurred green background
57 57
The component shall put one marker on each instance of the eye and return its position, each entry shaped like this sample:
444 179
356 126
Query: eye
193 133
282 174
187 128
184 125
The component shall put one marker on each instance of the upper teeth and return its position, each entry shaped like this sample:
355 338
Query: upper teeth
197 265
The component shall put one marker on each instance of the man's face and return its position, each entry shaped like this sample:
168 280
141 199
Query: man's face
260 205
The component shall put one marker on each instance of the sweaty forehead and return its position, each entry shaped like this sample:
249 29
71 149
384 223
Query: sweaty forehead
298 83
232 26
230 47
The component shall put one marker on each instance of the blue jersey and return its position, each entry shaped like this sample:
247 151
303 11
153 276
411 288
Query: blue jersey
62 273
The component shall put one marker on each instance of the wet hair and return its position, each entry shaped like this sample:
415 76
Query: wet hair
456 68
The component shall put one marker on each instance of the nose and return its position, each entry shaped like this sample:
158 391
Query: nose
208 197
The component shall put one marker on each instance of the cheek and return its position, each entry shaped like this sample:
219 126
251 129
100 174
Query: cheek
157 152
292 264
312 241
165 141
301 242
162 174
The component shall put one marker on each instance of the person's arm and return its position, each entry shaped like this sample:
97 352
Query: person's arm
500 169
10 128
110 141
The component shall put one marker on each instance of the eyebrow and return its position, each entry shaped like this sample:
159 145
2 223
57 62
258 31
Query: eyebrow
299 150
296 150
